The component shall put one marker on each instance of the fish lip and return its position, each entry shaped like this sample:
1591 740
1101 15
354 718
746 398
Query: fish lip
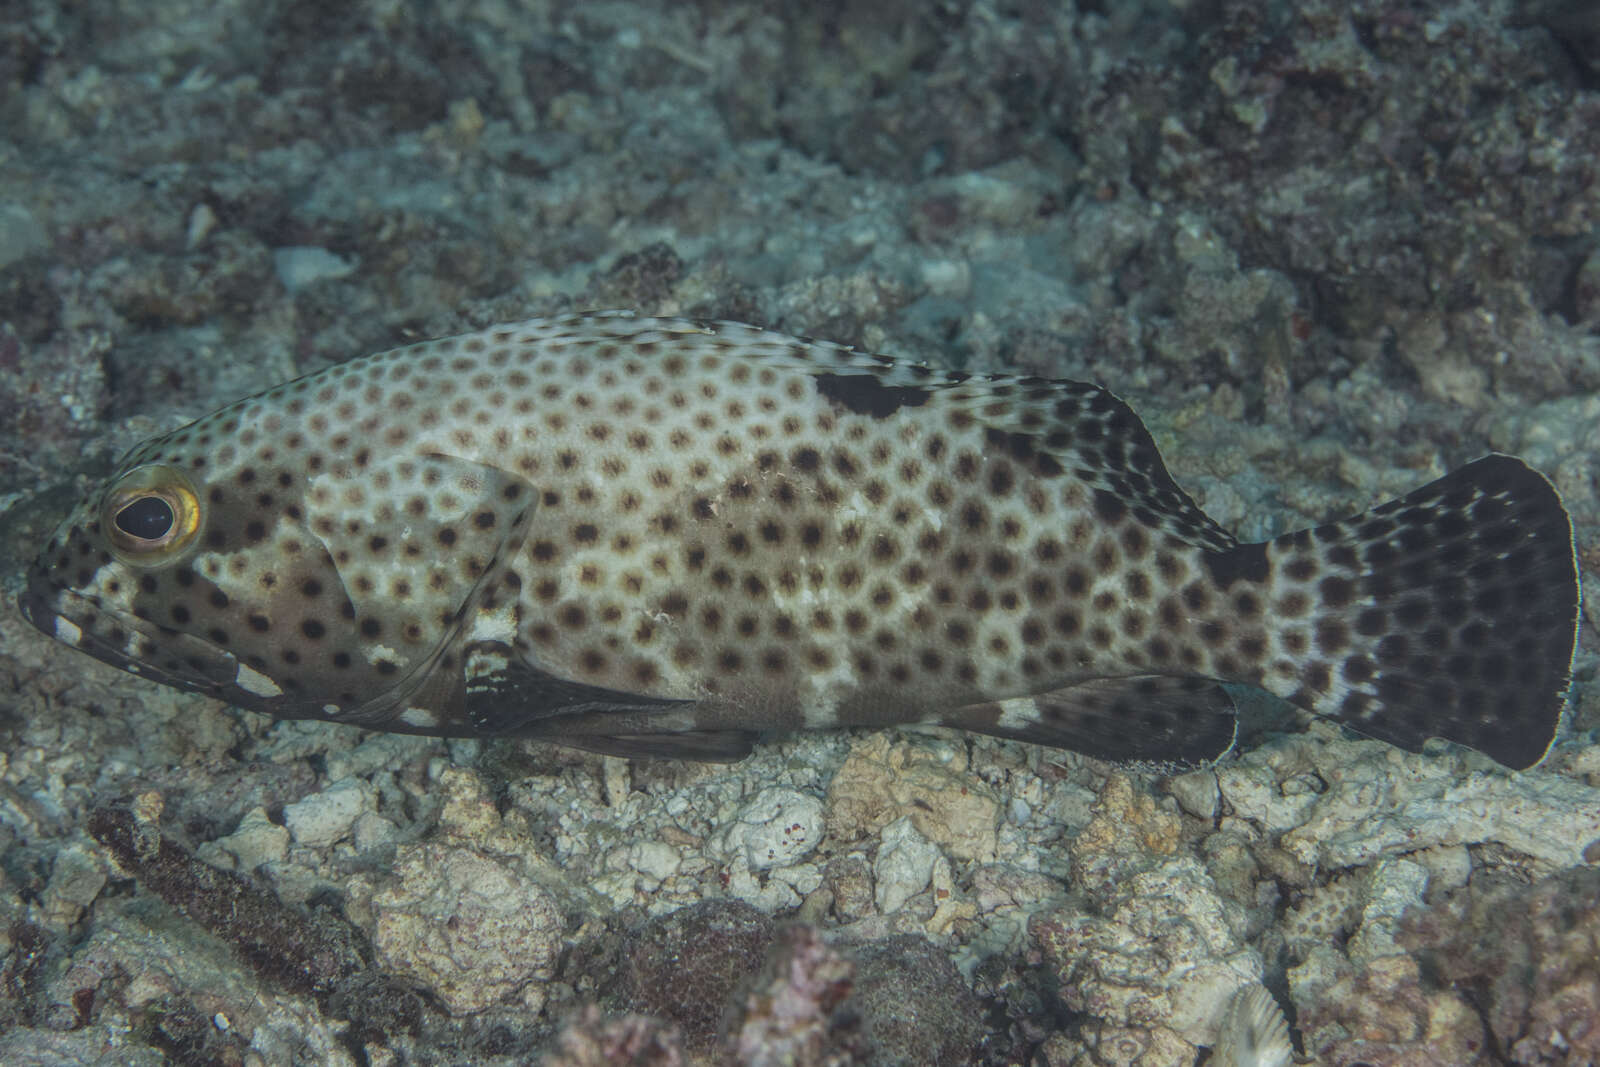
46 604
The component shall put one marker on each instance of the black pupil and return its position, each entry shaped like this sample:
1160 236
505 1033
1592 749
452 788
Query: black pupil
149 519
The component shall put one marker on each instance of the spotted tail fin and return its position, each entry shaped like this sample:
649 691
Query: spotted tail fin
1451 612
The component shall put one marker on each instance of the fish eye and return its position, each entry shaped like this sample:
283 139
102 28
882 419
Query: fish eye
150 515
148 518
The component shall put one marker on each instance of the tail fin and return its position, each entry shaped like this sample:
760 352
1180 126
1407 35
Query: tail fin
1451 612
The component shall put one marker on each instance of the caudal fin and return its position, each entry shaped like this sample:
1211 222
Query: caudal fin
1451 612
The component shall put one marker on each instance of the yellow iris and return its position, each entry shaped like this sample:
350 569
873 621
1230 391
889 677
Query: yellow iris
150 515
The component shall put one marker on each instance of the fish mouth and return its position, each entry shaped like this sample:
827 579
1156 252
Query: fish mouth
159 653
189 662
128 643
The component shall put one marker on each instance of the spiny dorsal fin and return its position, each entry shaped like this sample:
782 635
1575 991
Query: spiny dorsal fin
1061 424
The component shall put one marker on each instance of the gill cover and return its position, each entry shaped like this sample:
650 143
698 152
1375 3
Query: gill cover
351 603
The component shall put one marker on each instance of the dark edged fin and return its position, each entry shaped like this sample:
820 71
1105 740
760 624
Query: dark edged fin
1048 426
707 746
1175 722
1111 450
1451 612
506 696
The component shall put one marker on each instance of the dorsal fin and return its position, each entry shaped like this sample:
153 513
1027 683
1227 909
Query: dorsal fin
1078 426
1095 435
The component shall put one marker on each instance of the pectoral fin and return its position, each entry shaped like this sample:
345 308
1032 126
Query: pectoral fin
418 565
506 696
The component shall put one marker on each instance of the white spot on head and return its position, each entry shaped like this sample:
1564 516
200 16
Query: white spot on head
68 632
330 709
253 681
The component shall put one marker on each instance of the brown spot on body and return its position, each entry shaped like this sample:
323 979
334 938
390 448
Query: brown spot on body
1301 568
1135 541
1318 677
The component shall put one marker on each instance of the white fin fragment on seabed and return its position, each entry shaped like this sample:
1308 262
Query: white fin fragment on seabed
1253 1032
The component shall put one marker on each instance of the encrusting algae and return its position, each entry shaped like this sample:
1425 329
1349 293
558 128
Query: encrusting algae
669 537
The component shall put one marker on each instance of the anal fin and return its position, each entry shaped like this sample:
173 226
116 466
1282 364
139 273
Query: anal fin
1171 721
707 746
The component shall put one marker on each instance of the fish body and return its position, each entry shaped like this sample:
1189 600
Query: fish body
668 537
